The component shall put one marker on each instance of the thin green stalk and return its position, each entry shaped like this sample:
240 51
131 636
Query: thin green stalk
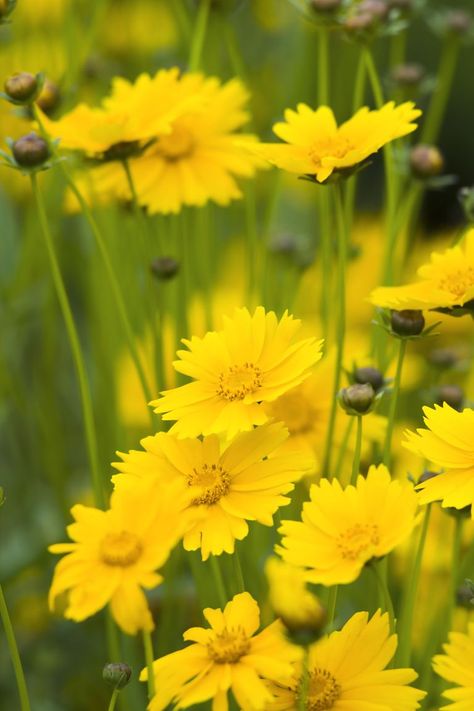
251 225
435 113
358 99
199 35
455 557
323 67
358 447
113 699
393 403
304 681
148 649
14 654
341 324
324 206
331 605
219 581
343 448
239 576
411 590
384 592
71 330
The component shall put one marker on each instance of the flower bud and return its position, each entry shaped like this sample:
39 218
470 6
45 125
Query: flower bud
452 395
466 198
408 75
426 161
378 8
359 23
21 87
427 474
117 674
49 97
328 6
306 632
121 151
164 268
30 151
357 399
458 22
442 358
6 8
465 595
370 375
407 322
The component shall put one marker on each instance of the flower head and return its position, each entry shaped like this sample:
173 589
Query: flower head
343 529
229 484
115 553
229 655
448 444
347 672
455 665
252 361
316 146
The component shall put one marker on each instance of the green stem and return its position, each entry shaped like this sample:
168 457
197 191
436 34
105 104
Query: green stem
393 403
84 385
304 681
411 590
253 270
219 581
14 654
323 67
113 699
199 34
148 649
358 447
239 576
456 554
331 605
343 448
439 101
386 600
358 99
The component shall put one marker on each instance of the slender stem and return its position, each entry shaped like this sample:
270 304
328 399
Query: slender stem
148 649
358 99
71 330
113 699
304 681
219 581
385 596
358 447
455 556
251 224
341 324
332 600
239 576
393 403
411 589
199 34
439 101
14 654
343 448
323 67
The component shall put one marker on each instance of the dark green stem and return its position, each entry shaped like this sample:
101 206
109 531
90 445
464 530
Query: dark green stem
393 403
14 654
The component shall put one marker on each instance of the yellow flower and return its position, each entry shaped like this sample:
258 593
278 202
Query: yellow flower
229 484
447 443
343 529
316 146
347 672
456 666
228 656
447 280
289 597
115 554
252 361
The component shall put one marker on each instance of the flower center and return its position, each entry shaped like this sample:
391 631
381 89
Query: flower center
457 283
238 381
178 144
228 646
120 549
323 690
359 541
213 481
329 147
296 412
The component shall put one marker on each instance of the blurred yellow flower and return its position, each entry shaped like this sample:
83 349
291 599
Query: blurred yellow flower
343 529
228 656
230 484
252 361
316 146
456 666
290 598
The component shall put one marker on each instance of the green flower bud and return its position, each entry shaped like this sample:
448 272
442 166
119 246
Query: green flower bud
442 358
30 151
121 151
466 198
407 322
452 395
370 375
22 87
458 22
378 8
308 633
426 161
49 97
357 399
465 595
408 75
117 674
164 268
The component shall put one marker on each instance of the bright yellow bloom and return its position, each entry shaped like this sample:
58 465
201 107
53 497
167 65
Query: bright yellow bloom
447 280
228 656
456 666
448 443
115 554
347 672
343 529
252 361
316 146
243 480
290 598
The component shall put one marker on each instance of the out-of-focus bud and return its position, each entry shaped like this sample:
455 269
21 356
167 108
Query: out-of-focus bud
22 87
377 8
452 395
466 198
407 322
360 23
164 268
49 97
324 6
30 151
370 375
6 8
465 595
357 399
426 161
121 151
442 358
458 22
284 243
408 75
427 474
117 674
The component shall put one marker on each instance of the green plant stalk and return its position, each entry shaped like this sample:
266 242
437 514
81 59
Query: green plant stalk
113 699
251 225
331 605
304 681
148 650
379 572
14 654
435 114
455 557
343 448
358 447
199 35
324 206
71 330
411 589
358 99
239 576
393 403
218 580
341 325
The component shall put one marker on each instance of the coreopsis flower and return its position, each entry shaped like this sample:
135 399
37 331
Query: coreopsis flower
446 281
116 553
347 672
229 484
343 529
455 665
316 146
229 655
448 444
252 361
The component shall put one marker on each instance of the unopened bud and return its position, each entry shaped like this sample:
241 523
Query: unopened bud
49 97
30 151
21 87
305 632
117 674
407 322
357 399
465 595
466 198
370 375
452 395
325 5
458 22
121 151
164 268
377 8
426 161
442 358
6 7
408 74
359 23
